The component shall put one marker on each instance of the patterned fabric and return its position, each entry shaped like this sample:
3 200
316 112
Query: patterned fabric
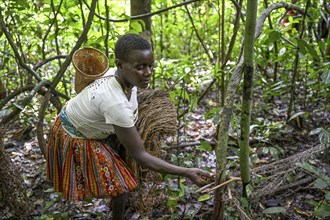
83 168
68 126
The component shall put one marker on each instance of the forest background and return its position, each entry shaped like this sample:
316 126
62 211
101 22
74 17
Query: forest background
215 64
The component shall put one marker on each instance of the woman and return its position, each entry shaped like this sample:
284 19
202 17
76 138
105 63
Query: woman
82 157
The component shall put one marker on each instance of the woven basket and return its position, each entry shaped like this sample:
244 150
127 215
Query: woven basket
90 64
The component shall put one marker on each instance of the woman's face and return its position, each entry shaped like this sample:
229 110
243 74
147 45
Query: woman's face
137 70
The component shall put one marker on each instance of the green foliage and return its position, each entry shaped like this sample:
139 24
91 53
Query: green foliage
262 130
45 28
204 147
176 197
324 135
204 197
321 207
274 210
214 113
56 215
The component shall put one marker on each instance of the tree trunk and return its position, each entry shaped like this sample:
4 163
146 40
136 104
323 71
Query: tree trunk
139 7
222 143
3 90
248 70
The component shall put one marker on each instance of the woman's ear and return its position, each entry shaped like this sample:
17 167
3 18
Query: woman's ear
119 63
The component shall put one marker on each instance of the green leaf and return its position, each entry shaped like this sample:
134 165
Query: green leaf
273 36
312 202
312 52
326 77
301 46
249 190
204 146
274 152
323 211
182 188
306 48
320 184
297 114
204 197
265 150
244 202
212 113
252 127
49 190
4 112
137 25
22 3
48 204
172 202
327 196
315 131
314 170
324 136
274 210
64 215
69 4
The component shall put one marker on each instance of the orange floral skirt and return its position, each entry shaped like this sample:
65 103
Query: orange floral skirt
82 168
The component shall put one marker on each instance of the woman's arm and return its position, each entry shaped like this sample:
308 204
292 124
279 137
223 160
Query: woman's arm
130 138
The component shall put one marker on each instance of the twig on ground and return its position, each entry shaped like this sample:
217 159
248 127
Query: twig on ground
205 189
230 195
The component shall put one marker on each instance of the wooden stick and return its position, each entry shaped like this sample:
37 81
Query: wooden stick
205 187
230 196
223 184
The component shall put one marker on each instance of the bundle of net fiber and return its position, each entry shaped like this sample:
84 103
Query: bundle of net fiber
157 120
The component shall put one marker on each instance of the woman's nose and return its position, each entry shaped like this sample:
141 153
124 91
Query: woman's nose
148 71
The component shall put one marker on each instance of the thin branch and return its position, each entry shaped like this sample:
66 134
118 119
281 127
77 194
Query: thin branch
18 108
272 7
198 36
80 41
82 13
13 46
107 26
143 15
43 62
190 144
228 55
14 94
50 26
54 99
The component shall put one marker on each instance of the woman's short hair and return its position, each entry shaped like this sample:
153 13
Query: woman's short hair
129 42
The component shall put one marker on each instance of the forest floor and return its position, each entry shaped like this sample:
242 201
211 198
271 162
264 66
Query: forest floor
173 200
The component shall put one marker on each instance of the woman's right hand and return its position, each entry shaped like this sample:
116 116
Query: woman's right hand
199 177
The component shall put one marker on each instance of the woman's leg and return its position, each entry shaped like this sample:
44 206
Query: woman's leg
118 206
